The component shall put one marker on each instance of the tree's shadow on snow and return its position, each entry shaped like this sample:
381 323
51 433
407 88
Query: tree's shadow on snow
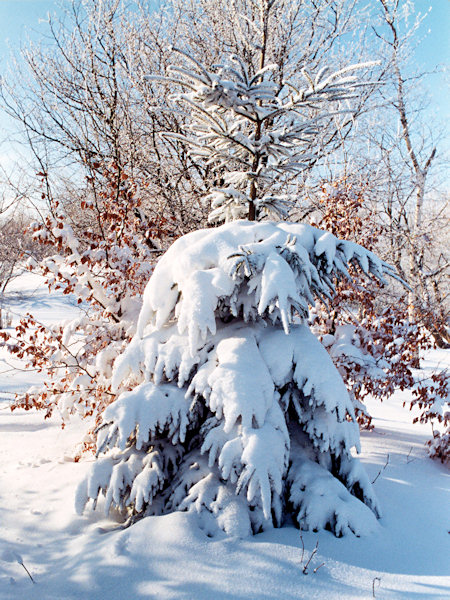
28 428
39 299
170 558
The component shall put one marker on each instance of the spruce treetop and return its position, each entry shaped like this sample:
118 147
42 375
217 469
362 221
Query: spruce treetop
255 133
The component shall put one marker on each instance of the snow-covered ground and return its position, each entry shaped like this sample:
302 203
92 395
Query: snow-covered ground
169 557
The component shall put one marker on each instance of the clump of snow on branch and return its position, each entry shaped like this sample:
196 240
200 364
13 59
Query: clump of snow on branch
227 404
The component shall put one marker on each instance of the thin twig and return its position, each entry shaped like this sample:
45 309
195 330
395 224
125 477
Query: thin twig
303 549
317 568
382 469
373 585
28 572
408 459
305 568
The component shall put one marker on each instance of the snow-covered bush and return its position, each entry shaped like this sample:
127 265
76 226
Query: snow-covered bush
228 405
439 445
103 257
374 345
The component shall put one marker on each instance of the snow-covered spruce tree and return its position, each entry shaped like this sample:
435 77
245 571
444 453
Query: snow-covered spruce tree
234 408
227 404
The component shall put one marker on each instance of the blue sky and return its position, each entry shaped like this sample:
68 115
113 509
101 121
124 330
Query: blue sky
434 51
19 18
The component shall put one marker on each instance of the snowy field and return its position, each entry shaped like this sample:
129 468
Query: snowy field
169 557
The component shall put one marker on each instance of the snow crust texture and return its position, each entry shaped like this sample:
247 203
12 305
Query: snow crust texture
228 406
